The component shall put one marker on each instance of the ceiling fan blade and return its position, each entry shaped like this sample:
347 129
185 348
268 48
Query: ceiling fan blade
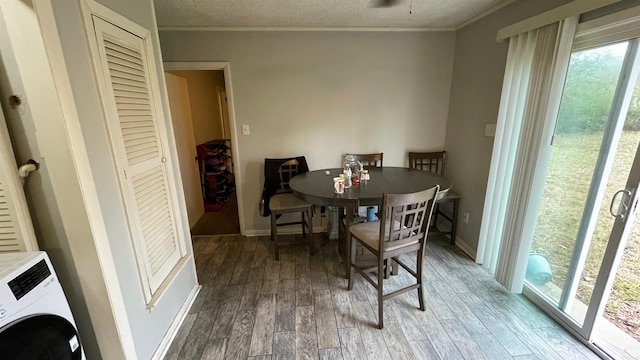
383 3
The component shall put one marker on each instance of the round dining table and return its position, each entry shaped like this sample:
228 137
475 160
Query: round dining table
316 187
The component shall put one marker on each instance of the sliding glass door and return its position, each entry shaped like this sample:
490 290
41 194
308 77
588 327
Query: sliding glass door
586 220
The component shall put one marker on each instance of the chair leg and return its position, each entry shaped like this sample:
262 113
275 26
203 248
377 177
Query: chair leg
274 235
312 246
387 268
454 221
304 234
419 262
435 215
380 292
352 260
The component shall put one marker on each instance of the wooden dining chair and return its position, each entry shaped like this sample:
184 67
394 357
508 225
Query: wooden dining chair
434 162
402 229
284 202
369 160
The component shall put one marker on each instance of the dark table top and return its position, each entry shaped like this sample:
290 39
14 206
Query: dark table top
316 187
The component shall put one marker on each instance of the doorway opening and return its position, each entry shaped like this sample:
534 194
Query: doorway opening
199 108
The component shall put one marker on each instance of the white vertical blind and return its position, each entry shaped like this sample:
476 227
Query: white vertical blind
513 98
532 88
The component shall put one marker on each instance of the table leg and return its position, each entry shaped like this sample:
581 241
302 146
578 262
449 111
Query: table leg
346 239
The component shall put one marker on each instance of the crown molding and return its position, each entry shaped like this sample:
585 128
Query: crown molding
485 14
303 28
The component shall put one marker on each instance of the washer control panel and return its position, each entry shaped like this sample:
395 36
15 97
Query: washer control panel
24 280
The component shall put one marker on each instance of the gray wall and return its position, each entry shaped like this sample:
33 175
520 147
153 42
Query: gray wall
321 94
475 98
147 327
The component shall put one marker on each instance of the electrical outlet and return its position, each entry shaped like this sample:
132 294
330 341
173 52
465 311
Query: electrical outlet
465 217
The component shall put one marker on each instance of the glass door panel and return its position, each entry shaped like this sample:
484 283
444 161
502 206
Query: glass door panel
617 330
585 255
604 221
586 104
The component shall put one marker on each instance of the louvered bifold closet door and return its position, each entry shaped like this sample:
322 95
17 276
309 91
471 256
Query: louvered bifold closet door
16 229
133 122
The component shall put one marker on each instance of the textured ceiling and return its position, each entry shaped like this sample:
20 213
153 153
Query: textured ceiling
319 13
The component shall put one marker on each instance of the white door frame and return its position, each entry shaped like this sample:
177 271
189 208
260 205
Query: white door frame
226 67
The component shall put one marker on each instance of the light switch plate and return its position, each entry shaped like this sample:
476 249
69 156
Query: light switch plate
490 130
245 129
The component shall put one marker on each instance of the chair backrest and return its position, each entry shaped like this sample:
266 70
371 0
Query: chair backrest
369 160
286 170
405 218
428 161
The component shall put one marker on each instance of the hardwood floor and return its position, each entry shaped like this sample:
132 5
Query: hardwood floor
253 307
223 222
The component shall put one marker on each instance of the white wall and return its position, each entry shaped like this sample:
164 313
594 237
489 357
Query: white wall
475 98
321 94
147 327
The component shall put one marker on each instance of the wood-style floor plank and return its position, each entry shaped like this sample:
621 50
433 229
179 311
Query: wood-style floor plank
372 337
442 343
242 269
306 340
252 289
352 346
397 343
423 350
253 307
262 337
181 337
284 345
199 334
286 306
304 295
326 328
318 273
343 310
492 347
215 349
287 269
408 323
228 307
271 280
330 354
240 339
463 340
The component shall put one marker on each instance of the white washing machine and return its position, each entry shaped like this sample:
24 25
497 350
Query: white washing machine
35 319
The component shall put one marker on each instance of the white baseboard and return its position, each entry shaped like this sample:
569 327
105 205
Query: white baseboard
283 231
162 349
466 248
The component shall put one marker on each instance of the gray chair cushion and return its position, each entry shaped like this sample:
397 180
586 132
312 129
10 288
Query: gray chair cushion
369 232
286 202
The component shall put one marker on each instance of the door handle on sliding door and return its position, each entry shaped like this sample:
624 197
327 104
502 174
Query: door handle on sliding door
623 209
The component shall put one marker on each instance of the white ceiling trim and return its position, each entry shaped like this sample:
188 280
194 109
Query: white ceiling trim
265 28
